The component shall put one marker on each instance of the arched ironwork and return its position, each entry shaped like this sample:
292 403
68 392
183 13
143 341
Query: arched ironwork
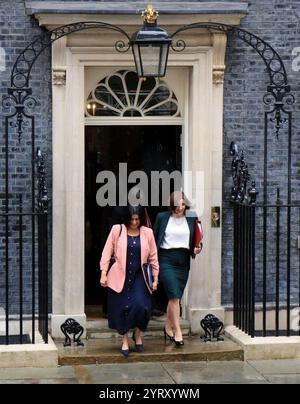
278 90
272 60
20 75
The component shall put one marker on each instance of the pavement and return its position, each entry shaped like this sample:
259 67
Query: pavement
170 373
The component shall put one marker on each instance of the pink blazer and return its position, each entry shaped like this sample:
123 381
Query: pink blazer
117 245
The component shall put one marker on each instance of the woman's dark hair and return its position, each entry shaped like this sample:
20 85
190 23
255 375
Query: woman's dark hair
175 197
134 210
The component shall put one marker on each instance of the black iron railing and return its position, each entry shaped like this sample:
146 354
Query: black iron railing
18 310
266 269
24 264
43 275
244 268
266 258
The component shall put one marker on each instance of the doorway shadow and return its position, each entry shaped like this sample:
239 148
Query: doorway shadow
145 148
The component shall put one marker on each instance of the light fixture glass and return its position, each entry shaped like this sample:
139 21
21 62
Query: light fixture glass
150 47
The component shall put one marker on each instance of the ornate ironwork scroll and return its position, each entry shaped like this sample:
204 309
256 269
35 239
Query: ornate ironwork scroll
241 192
278 91
25 61
41 180
70 326
213 328
20 93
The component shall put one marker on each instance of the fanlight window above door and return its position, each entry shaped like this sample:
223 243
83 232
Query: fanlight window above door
124 94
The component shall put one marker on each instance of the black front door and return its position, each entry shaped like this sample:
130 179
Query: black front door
146 148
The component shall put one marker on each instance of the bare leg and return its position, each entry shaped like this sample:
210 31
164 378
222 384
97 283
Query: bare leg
169 321
138 336
175 318
125 343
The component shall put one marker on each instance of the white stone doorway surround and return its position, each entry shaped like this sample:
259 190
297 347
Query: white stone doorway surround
202 64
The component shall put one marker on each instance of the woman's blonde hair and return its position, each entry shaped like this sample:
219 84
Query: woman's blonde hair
174 199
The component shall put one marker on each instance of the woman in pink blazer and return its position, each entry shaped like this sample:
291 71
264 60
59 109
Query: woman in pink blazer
129 297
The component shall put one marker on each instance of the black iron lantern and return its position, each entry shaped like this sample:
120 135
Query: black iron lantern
150 46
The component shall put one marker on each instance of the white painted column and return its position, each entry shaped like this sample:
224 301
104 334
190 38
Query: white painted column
219 50
68 189
206 158
59 194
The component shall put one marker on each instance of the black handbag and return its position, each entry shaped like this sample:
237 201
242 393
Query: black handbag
113 259
148 274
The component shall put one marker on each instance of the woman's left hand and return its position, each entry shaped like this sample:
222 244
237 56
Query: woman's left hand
197 250
154 286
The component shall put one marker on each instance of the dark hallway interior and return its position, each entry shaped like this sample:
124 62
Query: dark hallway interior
145 148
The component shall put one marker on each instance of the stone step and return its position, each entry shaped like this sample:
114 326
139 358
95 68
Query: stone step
98 329
98 351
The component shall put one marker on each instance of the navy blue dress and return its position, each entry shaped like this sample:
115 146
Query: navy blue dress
132 307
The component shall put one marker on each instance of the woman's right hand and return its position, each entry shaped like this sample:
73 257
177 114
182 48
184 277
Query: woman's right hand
103 280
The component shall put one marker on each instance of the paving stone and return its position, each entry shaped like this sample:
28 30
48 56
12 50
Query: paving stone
277 366
133 373
283 379
153 373
39 381
216 372
35 373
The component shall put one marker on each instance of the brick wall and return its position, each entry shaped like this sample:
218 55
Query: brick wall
277 22
16 31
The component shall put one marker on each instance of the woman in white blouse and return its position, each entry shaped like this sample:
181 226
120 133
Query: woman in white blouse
174 235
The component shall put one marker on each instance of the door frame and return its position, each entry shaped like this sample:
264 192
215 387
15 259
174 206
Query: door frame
202 143
182 121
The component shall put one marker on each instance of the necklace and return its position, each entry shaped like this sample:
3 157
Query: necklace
133 239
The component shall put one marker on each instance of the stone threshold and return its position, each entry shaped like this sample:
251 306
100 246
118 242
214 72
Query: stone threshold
100 351
98 329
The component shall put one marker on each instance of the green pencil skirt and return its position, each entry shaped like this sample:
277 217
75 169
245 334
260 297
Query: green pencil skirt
174 270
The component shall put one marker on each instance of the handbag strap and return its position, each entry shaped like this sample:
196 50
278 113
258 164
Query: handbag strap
118 237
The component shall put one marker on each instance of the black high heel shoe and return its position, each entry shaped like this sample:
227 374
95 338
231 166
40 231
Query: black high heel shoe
178 344
166 335
138 347
125 352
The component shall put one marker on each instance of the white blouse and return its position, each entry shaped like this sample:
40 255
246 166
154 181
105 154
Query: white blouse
177 234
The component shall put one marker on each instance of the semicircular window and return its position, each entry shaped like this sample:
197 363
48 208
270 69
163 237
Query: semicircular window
124 94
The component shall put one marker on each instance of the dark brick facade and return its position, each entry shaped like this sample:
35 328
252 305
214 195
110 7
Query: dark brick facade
276 21
16 31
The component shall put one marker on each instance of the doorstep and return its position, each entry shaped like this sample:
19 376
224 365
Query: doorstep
98 329
98 351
